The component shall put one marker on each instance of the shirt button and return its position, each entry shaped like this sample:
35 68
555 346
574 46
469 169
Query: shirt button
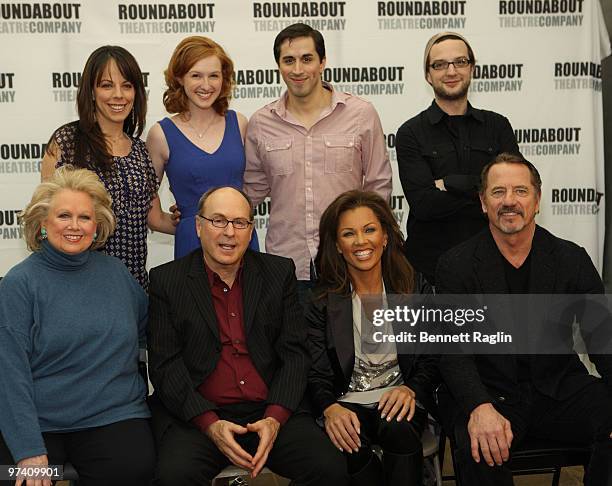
233 314
225 289
242 382
328 144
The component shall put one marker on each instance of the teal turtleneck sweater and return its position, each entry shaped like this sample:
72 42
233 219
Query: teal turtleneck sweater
69 334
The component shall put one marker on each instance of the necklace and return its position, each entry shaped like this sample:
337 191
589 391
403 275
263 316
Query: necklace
199 135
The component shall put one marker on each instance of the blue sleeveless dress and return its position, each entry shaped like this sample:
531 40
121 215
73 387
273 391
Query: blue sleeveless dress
193 171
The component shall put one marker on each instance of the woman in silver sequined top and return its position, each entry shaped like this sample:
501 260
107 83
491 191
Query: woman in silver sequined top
367 394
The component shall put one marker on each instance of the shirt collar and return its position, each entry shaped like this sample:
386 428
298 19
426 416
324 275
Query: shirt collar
280 106
436 114
215 279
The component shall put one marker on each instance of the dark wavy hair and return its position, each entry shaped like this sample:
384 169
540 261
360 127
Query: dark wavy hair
299 30
90 148
509 158
330 264
189 51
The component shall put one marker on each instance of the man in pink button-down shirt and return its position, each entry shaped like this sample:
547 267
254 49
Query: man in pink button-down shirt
308 147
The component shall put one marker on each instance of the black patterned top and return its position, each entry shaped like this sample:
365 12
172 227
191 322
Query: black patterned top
132 184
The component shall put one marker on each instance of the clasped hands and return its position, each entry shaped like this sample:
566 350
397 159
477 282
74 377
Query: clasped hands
343 427
222 434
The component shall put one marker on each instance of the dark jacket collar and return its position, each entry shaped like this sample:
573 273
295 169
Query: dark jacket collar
435 114
489 265
199 287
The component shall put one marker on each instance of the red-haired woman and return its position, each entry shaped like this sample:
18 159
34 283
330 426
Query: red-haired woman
202 145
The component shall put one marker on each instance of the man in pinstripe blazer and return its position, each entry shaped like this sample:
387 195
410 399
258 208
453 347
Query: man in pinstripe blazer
228 359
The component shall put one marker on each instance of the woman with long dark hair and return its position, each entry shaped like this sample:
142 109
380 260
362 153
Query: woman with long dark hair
366 398
112 106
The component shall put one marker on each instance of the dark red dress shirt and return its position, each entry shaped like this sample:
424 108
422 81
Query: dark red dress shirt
235 379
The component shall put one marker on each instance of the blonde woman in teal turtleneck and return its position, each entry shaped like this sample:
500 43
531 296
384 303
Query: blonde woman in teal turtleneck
70 323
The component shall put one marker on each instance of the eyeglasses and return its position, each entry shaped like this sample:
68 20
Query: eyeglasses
221 222
460 63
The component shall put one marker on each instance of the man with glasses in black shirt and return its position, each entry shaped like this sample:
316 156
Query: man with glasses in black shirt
440 154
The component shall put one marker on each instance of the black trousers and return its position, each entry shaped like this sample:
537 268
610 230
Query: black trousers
119 454
301 452
403 438
583 418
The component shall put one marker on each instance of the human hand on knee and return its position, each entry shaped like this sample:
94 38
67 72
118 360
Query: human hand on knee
267 430
342 427
222 433
34 461
490 432
399 401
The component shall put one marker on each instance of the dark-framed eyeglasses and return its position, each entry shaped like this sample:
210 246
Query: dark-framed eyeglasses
221 222
459 63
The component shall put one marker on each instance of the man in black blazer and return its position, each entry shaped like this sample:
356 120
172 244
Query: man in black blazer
492 402
228 359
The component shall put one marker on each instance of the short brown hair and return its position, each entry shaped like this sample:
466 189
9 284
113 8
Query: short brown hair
295 31
68 177
508 158
189 51
331 266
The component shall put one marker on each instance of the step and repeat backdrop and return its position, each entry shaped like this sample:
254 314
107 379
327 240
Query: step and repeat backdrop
538 63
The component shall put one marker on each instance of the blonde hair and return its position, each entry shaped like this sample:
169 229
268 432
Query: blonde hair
68 177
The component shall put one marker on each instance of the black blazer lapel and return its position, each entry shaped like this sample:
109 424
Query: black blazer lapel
543 271
340 312
197 282
488 267
251 290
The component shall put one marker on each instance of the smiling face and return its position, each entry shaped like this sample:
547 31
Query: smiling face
224 247
71 222
300 66
361 240
510 199
114 96
451 83
203 82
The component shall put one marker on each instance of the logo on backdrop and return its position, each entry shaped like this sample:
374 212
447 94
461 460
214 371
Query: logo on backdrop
64 85
398 202
9 224
21 158
7 85
262 214
577 75
367 80
166 18
540 13
421 15
275 16
549 141
493 78
257 83
40 18
575 201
